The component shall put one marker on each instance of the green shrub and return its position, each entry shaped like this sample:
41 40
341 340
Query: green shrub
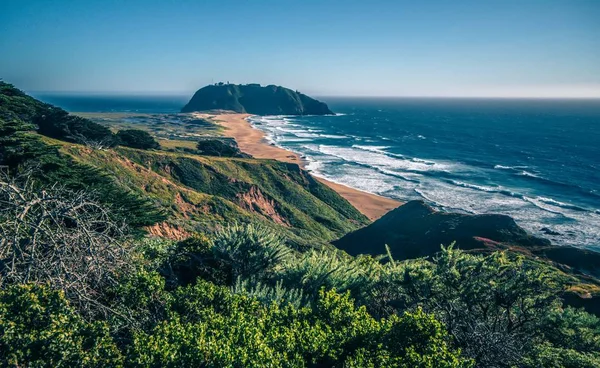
39 329
212 327
249 250
136 138
219 147
191 259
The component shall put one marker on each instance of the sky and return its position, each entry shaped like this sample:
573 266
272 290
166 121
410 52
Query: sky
492 48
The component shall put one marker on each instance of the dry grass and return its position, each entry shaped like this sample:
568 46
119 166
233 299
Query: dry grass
174 143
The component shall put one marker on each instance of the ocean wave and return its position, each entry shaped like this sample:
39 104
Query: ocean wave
378 149
529 174
561 204
543 206
502 167
404 176
476 187
314 166
382 160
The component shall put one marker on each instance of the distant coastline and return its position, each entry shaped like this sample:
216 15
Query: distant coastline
253 142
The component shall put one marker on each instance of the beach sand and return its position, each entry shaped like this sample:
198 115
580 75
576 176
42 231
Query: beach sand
252 141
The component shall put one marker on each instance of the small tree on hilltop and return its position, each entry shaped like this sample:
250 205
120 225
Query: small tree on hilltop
136 138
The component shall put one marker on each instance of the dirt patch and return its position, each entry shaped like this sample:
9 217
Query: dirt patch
254 200
169 231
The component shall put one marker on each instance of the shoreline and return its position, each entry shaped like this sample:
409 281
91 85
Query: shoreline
252 141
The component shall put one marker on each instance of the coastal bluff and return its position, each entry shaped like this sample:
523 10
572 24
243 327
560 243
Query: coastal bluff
255 99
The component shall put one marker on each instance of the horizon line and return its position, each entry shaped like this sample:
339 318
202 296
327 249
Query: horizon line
184 94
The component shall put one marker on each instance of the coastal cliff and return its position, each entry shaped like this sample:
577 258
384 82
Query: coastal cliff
255 99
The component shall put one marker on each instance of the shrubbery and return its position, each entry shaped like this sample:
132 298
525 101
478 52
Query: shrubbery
38 328
136 138
278 308
219 147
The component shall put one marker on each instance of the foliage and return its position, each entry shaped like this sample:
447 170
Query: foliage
50 120
21 149
191 259
568 338
236 251
315 269
268 294
490 305
219 147
60 237
57 123
212 327
240 295
249 250
39 329
136 138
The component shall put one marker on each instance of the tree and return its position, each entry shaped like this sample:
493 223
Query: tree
60 237
491 305
136 138
218 147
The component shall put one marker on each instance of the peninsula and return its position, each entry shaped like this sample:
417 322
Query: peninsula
255 99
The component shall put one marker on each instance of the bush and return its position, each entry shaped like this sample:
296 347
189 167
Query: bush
191 259
60 237
136 138
38 328
212 327
249 250
219 147
57 123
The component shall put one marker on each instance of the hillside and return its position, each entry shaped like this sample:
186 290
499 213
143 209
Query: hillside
191 191
121 250
416 230
255 99
201 192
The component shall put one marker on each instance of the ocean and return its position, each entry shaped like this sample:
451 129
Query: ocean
537 161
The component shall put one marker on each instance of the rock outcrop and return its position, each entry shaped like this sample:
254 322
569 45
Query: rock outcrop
255 99
416 230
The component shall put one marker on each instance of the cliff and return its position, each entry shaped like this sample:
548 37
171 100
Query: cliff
255 99
416 230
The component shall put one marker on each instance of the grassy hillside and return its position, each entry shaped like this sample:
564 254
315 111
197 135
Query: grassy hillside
201 192
193 192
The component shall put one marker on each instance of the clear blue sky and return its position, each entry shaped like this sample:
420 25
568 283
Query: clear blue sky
379 48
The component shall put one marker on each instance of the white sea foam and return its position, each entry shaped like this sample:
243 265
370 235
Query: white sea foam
380 160
529 174
313 165
447 184
502 167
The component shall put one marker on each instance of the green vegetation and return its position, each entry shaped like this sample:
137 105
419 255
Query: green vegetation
136 138
219 147
255 99
176 132
254 282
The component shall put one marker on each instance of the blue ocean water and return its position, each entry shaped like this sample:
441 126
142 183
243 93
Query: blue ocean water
535 160
148 104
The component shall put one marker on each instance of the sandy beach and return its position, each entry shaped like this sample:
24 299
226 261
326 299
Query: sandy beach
252 141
